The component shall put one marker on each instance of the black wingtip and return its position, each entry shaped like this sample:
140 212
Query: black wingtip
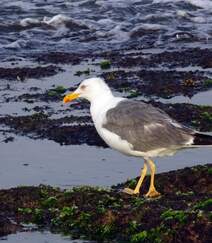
202 139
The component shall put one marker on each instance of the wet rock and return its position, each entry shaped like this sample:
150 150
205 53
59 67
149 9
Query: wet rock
183 58
158 83
60 57
8 139
198 117
169 59
7 227
181 214
21 74
39 125
179 181
56 94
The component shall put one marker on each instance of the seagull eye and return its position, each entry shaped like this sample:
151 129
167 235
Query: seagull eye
83 87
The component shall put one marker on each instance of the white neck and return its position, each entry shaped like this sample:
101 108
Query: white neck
101 104
101 100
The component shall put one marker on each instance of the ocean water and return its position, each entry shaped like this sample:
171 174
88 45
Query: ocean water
28 26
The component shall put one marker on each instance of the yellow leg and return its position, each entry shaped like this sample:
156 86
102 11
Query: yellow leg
140 181
152 191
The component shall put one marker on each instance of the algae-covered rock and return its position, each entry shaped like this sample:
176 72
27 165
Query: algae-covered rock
181 214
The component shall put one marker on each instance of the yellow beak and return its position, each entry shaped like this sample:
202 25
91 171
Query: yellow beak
70 97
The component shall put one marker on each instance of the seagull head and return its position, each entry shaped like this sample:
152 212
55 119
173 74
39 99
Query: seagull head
89 89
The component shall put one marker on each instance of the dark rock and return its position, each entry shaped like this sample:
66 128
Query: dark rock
24 73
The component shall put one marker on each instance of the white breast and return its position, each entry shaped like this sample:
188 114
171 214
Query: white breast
98 113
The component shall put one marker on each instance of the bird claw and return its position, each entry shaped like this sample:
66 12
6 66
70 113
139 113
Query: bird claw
152 194
130 191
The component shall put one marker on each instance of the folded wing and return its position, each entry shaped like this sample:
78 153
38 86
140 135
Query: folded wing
146 127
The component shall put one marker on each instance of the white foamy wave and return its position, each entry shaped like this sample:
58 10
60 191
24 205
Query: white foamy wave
29 21
57 20
182 13
118 34
147 26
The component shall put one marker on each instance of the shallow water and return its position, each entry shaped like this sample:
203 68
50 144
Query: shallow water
33 162
35 237
201 98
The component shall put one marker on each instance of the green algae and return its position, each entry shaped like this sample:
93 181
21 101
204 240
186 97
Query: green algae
106 64
83 72
208 82
178 215
207 116
210 171
150 236
205 204
106 215
57 91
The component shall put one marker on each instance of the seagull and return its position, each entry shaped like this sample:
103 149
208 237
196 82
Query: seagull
135 128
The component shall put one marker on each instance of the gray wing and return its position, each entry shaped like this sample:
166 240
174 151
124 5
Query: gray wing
146 127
